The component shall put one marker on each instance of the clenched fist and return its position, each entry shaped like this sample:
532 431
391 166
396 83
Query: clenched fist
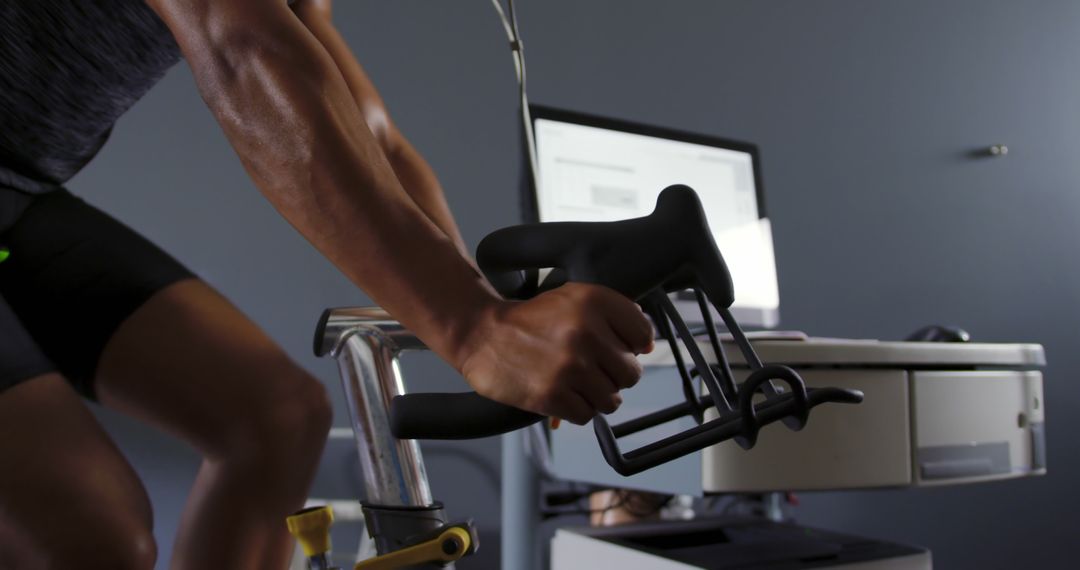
565 353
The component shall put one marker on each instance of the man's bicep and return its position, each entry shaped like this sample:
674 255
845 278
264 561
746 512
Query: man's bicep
275 91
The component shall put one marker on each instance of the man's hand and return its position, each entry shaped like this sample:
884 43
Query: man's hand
565 353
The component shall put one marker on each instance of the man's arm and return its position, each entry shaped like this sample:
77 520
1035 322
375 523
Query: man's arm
289 114
414 173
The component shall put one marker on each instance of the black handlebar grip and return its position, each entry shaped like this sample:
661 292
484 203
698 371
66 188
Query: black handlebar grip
669 248
466 415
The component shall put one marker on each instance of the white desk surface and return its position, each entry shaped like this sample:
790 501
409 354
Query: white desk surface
859 352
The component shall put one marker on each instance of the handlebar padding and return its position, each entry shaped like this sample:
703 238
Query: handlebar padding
465 415
668 248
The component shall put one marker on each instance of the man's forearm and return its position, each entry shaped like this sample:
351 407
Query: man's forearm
290 116
421 183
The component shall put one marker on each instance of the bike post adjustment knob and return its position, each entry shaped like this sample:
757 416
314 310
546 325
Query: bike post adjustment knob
311 527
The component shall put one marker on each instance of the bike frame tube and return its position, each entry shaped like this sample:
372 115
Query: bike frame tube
367 342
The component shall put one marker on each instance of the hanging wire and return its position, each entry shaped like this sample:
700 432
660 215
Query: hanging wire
517 50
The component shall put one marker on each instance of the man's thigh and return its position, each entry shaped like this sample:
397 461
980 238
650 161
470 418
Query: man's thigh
74 275
188 361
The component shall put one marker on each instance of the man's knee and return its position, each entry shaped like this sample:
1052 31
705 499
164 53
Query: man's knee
290 416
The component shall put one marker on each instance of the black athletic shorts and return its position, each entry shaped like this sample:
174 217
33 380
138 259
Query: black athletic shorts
73 274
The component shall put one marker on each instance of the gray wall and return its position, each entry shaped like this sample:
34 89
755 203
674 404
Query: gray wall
866 111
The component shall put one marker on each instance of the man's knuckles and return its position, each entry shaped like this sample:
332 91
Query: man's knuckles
544 401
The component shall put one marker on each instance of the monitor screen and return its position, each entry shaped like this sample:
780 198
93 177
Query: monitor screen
594 169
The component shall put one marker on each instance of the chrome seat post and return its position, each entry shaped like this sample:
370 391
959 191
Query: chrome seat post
366 342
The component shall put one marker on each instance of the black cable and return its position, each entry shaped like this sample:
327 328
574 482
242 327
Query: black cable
517 49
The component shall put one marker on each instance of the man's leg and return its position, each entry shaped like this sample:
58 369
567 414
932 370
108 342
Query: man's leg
191 363
68 499
130 327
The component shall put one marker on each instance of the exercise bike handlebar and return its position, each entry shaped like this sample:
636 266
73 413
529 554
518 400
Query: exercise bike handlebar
644 259
666 249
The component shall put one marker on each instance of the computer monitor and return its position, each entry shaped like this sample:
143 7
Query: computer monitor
596 169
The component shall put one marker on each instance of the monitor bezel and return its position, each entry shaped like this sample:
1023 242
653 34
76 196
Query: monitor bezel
532 213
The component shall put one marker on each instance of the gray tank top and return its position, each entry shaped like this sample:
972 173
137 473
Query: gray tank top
68 70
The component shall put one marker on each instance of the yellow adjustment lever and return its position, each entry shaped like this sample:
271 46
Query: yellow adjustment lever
450 545
311 527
